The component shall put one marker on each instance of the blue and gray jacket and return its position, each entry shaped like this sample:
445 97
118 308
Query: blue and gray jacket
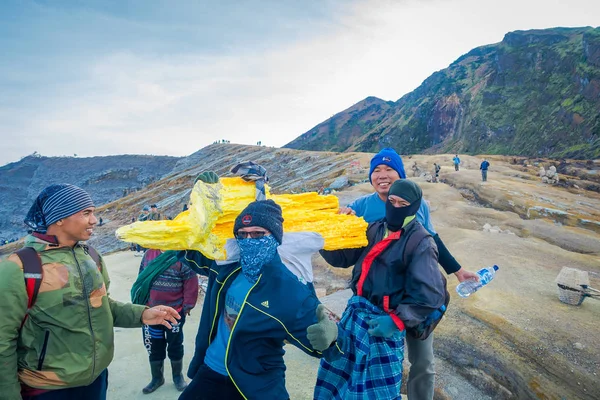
277 308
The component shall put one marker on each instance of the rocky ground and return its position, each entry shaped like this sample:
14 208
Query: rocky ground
513 339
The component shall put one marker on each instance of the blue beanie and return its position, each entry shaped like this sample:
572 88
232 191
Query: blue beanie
263 213
55 203
389 157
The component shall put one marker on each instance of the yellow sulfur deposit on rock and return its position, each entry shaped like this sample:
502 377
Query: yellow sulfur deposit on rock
213 208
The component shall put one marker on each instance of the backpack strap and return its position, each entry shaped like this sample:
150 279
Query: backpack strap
95 256
32 272
411 245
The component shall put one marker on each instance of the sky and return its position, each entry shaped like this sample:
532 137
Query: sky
163 77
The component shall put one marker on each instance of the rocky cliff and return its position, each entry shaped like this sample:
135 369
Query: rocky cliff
536 93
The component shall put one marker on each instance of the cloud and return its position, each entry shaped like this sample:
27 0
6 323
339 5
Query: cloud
133 82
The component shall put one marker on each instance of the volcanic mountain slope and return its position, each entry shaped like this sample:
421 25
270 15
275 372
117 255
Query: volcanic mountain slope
106 178
536 93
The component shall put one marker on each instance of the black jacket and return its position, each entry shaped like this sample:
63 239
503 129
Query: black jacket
415 289
277 308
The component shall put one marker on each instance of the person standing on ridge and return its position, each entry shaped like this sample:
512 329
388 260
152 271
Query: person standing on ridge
154 214
436 172
386 168
144 216
484 169
456 162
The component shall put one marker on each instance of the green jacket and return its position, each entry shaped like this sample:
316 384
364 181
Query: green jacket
67 338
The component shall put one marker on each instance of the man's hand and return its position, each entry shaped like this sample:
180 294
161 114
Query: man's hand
324 332
160 315
462 275
346 211
208 177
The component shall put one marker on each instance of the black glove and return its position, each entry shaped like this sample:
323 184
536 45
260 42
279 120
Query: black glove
209 177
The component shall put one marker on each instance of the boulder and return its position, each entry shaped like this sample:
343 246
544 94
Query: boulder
339 183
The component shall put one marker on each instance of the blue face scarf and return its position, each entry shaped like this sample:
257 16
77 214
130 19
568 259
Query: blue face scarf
255 253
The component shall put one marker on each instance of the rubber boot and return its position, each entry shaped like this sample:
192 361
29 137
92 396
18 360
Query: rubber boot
157 368
177 367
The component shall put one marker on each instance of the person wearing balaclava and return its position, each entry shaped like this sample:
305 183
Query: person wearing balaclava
252 306
56 337
398 291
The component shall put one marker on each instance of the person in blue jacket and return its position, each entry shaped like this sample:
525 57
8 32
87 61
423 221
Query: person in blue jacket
251 307
484 169
386 168
456 162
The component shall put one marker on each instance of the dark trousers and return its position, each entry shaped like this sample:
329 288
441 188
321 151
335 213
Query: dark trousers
95 391
484 175
456 167
210 385
160 340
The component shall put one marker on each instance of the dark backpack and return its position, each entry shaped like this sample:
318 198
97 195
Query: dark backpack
33 272
424 329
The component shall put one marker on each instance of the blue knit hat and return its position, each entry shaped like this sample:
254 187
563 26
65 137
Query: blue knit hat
389 157
264 213
55 203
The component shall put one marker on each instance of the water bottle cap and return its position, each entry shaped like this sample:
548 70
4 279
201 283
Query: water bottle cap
495 268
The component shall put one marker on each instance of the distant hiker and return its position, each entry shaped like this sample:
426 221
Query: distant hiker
133 246
144 216
484 169
176 285
185 207
154 214
58 344
388 303
252 307
456 162
416 170
100 221
387 168
436 173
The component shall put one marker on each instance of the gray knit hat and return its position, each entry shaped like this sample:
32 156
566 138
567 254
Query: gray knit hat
264 213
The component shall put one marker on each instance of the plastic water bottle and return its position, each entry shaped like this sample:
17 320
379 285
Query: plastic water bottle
470 286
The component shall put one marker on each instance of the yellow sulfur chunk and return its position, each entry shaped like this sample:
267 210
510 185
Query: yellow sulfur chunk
208 223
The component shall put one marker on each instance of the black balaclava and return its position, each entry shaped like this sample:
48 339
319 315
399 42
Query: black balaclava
410 192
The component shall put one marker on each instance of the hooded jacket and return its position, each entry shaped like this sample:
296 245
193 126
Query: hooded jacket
67 337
